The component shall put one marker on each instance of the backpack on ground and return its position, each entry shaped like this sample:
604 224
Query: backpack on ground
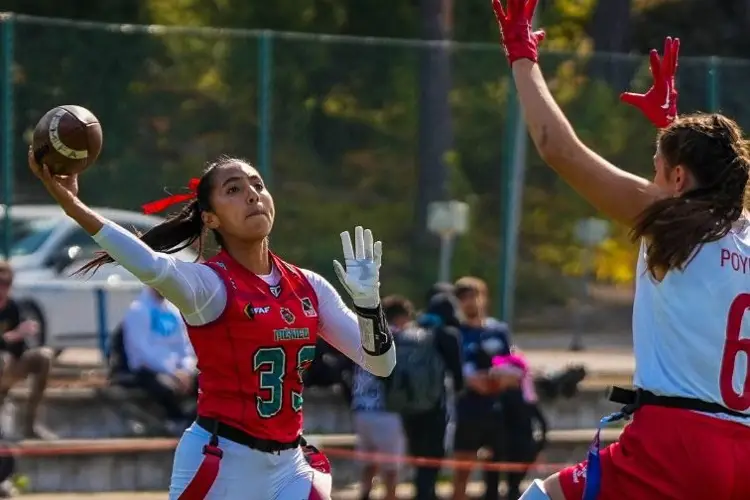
417 382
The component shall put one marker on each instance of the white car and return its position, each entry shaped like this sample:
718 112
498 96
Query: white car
47 247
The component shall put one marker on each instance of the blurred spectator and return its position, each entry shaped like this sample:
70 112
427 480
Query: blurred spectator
448 289
378 430
160 356
440 287
19 360
522 420
426 352
479 421
330 368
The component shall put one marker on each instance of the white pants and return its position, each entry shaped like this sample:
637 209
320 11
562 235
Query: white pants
247 474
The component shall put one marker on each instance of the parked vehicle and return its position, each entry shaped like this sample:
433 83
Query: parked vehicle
47 247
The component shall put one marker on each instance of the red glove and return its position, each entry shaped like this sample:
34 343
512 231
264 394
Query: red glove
516 34
659 103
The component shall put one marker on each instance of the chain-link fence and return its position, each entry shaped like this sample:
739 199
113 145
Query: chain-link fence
338 126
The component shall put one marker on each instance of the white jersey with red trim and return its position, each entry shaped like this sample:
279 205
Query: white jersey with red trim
691 334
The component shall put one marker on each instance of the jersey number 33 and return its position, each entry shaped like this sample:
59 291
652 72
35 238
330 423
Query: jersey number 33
270 364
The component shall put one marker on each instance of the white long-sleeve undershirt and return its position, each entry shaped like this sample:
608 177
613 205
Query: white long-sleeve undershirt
201 296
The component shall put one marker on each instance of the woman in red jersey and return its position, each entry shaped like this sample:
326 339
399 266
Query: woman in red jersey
689 438
253 320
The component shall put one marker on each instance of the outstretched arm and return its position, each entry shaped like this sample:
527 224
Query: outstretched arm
619 194
194 288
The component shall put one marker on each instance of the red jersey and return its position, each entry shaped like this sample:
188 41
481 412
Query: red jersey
251 358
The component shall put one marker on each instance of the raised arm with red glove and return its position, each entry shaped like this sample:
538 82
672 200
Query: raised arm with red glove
619 194
659 103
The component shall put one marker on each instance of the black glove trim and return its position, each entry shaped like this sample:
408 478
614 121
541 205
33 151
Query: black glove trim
377 338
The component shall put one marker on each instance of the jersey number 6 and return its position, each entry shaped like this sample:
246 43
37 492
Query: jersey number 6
270 364
732 347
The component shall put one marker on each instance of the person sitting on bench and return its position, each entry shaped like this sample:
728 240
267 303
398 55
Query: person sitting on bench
160 356
19 360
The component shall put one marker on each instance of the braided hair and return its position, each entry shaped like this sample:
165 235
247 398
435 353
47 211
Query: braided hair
712 148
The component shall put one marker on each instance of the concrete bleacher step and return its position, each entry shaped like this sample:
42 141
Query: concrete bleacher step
135 464
91 412
83 412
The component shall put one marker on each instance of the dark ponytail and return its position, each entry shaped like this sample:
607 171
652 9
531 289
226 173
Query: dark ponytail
711 147
176 233
181 230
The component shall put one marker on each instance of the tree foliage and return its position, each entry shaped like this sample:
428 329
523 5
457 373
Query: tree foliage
345 116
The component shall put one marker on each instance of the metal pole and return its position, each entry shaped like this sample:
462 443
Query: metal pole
576 341
514 171
101 317
506 205
265 69
446 256
514 206
6 128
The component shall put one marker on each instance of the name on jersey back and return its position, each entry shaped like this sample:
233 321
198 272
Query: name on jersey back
738 262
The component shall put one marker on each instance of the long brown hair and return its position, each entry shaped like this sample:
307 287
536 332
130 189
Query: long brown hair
179 230
712 148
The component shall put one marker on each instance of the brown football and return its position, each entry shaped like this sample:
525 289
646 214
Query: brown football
68 139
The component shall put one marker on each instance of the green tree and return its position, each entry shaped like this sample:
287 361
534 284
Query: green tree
56 63
345 121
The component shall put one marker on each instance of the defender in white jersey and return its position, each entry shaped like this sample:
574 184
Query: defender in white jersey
690 434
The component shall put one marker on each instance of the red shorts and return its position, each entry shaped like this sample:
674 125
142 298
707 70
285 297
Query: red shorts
671 454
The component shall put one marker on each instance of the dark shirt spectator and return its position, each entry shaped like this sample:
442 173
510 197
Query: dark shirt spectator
378 429
19 360
425 431
479 413
480 344
14 329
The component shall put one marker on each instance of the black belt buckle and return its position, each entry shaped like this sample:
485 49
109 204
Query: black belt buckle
278 446
622 396
267 446
629 398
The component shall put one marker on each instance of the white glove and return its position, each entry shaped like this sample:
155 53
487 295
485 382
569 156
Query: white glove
361 278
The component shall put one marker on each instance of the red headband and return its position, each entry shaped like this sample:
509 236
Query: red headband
159 205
